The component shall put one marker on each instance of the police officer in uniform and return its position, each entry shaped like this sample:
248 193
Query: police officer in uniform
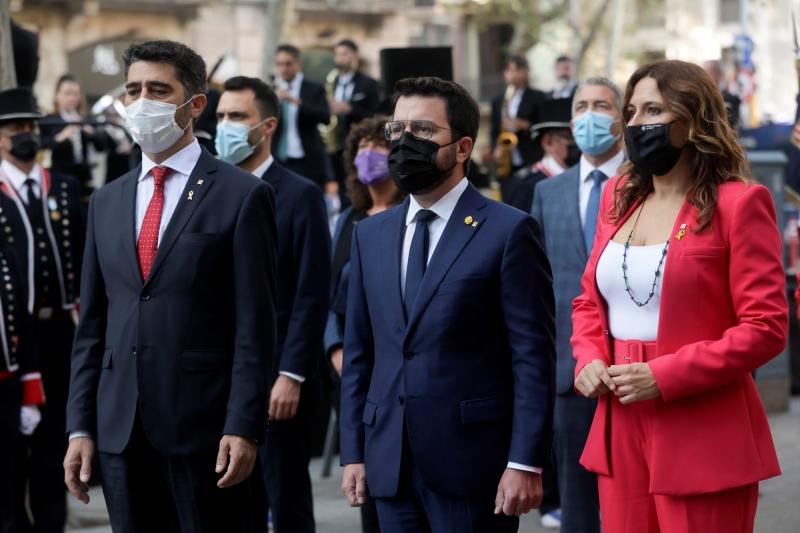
40 218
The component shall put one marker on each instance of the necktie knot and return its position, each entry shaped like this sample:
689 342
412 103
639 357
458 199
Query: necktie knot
597 177
424 215
160 175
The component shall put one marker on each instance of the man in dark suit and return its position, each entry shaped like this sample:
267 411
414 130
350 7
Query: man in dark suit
448 357
41 219
297 143
247 116
516 110
567 206
355 97
177 330
566 83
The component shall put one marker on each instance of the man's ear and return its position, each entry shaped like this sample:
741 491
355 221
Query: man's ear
268 128
465 146
198 104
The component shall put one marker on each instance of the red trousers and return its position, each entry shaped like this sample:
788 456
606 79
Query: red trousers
626 504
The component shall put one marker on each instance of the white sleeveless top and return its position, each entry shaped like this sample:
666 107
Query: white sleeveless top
626 320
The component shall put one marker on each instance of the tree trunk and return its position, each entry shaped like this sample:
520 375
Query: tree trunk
8 74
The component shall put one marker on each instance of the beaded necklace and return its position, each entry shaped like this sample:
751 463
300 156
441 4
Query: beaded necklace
659 270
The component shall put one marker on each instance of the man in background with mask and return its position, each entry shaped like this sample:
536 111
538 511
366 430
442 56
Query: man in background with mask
448 353
40 219
177 329
247 115
560 152
567 207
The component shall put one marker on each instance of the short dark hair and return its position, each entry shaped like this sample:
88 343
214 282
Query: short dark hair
563 59
518 61
290 49
190 68
348 43
266 99
462 110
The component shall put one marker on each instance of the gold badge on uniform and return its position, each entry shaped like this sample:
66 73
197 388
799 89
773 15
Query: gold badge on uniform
55 216
469 220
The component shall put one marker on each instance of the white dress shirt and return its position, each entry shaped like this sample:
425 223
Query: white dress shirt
17 179
443 209
294 146
513 111
345 86
182 163
609 168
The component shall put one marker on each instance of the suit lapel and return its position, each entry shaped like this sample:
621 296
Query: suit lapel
393 233
455 237
273 176
204 169
128 210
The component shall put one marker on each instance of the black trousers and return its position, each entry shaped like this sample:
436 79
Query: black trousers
40 457
10 393
284 463
147 492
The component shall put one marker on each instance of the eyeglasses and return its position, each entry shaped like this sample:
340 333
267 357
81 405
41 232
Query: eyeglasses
421 129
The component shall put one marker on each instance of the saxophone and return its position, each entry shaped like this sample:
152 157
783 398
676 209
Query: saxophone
506 140
331 134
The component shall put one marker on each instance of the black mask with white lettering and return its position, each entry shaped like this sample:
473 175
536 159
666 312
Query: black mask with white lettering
649 148
412 162
24 146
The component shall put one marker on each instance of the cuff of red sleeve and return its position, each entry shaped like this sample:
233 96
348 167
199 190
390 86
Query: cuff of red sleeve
32 389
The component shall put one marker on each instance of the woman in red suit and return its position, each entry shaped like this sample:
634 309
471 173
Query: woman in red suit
683 297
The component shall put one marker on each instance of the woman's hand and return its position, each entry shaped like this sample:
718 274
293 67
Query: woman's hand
594 380
634 382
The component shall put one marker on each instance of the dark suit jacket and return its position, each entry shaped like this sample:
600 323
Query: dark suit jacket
364 102
191 347
63 154
303 270
529 150
470 373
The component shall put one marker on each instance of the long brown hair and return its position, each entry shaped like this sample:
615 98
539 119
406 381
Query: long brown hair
715 154
370 128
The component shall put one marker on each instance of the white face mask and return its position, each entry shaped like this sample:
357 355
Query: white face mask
152 124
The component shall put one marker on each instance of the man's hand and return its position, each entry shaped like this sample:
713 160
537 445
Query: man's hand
354 484
337 356
339 107
78 467
242 455
634 382
518 492
66 133
288 96
284 399
594 380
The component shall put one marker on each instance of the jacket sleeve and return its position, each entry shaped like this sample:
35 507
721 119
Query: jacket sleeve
529 309
314 109
311 249
33 392
359 360
87 352
254 265
757 285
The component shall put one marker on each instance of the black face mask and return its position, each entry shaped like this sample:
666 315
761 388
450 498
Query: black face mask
412 163
573 155
24 146
650 149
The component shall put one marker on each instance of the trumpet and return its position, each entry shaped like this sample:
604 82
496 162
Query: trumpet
506 140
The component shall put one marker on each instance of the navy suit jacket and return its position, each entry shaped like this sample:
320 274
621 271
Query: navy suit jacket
470 372
556 208
303 270
190 348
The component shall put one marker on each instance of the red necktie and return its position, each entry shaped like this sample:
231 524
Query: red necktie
148 235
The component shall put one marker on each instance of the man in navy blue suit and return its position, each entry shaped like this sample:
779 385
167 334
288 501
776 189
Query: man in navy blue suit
177 332
447 386
247 116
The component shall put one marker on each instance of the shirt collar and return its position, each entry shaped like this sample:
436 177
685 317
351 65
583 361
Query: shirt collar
443 208
344 79
290 85
609 168
182 161
263 167
17 177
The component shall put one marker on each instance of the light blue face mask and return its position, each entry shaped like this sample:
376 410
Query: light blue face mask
231 141
592 133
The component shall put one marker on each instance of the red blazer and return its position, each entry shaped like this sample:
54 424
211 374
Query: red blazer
723 314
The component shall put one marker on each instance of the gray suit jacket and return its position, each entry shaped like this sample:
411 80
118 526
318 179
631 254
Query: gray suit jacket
556 208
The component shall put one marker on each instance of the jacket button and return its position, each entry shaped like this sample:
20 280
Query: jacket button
401 400
134 351
605 332
145 297
408 354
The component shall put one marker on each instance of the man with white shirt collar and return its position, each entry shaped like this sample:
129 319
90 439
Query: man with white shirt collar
567 207
177 329
297 143
448 352
41 220
247 115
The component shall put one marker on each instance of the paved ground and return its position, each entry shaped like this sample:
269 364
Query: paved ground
778 511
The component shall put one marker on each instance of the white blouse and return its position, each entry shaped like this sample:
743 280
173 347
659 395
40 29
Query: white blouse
626 320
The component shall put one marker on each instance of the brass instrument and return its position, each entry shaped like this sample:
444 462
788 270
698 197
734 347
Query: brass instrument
506 140
330 132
